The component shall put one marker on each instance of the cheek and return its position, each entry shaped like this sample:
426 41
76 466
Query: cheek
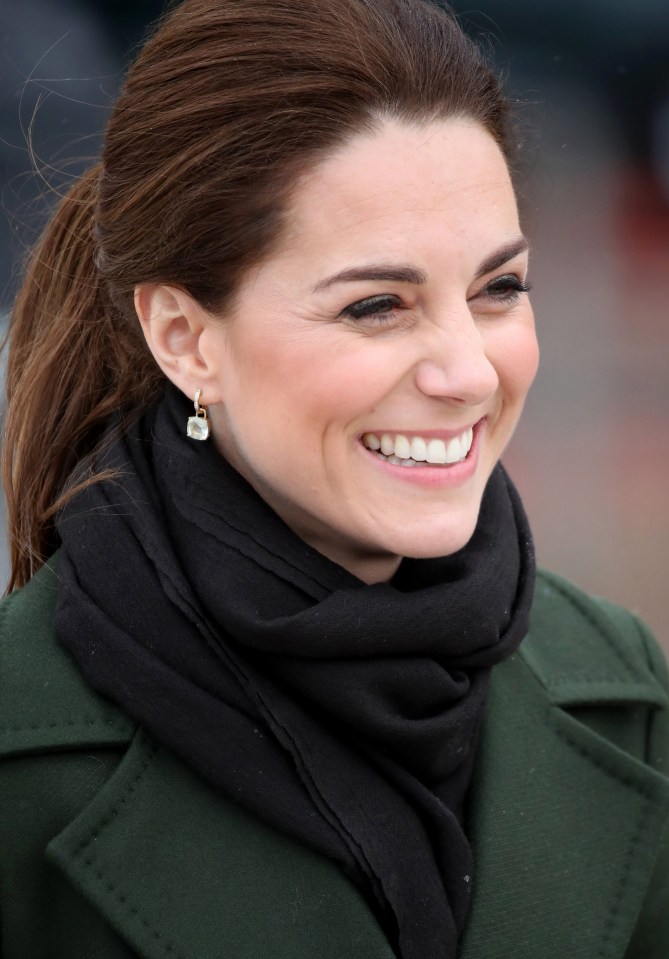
516 360
313 379
291 415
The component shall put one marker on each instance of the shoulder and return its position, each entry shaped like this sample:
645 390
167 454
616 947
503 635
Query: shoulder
588 662
44 701
583 645
571 784
600 663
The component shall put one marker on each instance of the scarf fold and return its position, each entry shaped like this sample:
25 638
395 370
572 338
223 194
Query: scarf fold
344 714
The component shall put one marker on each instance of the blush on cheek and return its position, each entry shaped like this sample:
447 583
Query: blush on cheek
521 361
531 359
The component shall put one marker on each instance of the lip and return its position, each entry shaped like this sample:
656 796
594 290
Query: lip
450 474
444 435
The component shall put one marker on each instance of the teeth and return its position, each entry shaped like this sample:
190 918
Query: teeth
436 451
396 461
402 447
399 450
418 449
453 451
387 445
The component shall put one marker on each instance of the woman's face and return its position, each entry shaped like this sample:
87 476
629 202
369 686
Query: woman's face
392 315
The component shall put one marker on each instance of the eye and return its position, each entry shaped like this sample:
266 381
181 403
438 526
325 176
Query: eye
505 289
376 308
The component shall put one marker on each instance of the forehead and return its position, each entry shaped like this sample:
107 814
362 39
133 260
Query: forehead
404 177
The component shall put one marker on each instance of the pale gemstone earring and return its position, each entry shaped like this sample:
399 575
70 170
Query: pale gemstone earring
198 425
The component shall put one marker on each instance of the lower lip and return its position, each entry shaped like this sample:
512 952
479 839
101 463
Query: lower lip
450 474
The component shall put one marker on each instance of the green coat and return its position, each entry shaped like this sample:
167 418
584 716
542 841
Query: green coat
111 847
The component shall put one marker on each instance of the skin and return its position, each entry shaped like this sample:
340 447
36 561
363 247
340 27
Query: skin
292 380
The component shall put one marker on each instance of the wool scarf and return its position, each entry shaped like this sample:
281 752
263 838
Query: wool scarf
343 714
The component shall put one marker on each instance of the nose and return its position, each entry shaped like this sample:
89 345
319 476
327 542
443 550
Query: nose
456 366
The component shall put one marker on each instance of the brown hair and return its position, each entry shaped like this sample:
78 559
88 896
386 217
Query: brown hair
225 106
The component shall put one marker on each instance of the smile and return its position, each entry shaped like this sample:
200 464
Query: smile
400 450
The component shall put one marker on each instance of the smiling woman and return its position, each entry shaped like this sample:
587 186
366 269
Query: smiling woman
399 294
284 679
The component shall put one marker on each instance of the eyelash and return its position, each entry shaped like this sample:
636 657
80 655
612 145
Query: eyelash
369 307
505 289
514 285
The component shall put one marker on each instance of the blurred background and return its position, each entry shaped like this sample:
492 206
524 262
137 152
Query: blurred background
591 457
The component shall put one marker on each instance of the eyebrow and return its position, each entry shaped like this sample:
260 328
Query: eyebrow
410 274
381 271
503 255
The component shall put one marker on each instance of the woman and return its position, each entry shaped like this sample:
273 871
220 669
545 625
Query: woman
277 342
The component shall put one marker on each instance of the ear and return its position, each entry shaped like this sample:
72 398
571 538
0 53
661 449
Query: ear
173 324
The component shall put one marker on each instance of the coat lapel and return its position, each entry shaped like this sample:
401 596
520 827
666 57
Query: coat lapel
179 871
555 875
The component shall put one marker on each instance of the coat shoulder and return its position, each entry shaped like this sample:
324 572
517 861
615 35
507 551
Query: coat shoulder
570 798
584 650
595 657
45 703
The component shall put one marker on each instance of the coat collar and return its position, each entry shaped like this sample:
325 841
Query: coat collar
177 870
202 872
545 773
587 652
555 877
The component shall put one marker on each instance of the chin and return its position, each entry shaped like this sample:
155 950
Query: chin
436 542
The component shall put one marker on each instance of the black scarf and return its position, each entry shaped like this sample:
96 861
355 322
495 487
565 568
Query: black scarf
344 714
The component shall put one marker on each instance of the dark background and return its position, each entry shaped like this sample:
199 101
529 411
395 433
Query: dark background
592 455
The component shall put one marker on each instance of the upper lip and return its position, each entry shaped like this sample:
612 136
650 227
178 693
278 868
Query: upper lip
425 434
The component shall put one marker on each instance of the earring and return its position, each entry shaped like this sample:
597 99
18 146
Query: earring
198 425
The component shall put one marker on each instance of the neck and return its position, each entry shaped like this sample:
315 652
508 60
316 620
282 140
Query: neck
374 568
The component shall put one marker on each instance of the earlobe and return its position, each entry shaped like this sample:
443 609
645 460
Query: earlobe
173 324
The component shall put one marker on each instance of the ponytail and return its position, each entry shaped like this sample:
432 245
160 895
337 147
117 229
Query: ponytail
74 359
